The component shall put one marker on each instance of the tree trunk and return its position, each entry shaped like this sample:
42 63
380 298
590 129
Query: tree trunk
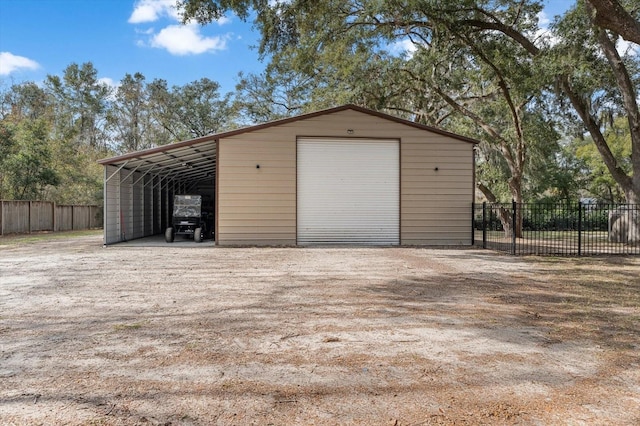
611 15
505 213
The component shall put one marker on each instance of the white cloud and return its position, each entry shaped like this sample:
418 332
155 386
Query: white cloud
223 20
543 36
543 19
152 10
10 63
148 31
176 39
186 40
403 47
109 82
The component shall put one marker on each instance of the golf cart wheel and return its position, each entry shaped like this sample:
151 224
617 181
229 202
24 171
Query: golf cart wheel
197 235
169 235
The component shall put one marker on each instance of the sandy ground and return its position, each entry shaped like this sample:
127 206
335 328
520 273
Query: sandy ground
198 335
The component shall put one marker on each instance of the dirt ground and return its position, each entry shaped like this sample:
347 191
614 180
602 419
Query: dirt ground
199 335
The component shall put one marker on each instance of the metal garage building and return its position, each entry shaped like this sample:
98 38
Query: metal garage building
341 175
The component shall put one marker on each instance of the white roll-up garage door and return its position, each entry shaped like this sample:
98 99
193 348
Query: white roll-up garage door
348 191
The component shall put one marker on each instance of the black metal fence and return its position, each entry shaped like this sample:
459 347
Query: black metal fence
568 229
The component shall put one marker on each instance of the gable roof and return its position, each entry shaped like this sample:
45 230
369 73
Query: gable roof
195 158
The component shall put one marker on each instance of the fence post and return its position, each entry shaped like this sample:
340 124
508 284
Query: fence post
484 225
514 222
579 228
29 216
1 218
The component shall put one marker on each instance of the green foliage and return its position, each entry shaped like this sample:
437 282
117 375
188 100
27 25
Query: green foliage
481 68
478 68
52 136
193 110
600 184
81 102
130 116
26 165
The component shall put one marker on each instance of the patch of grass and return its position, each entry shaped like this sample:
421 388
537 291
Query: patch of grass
45 236
127 327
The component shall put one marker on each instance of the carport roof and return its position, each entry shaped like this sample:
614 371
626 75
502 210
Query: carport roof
194 159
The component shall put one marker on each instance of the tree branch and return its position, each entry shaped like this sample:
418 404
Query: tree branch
582 108
611 15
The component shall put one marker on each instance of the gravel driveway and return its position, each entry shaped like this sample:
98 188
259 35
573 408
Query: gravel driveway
188 334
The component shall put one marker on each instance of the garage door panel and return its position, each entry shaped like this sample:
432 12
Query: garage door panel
348 191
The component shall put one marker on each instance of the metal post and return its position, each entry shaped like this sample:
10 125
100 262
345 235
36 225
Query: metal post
514 221
579 228
484 225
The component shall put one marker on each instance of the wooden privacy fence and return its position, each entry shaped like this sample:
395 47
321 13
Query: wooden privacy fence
24 217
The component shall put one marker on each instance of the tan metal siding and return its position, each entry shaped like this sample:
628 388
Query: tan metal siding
256 205
438 203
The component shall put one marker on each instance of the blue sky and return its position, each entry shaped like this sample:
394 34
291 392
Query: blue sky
40 37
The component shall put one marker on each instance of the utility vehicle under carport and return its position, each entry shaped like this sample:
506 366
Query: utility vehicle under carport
188 219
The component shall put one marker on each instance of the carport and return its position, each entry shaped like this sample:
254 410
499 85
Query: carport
345 175
139 187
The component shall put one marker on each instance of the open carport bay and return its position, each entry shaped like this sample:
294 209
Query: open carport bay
139 188
162 335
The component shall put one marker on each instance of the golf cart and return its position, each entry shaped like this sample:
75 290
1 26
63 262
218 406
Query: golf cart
188 219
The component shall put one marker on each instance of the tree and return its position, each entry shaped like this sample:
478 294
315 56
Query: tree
81 105
611 15
466 74
28 166
599 83
20 105
600 184
7 146
192 110
130 117
272 95
320 26
25 101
